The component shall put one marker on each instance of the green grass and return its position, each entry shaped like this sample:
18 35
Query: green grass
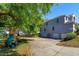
70 43
22 49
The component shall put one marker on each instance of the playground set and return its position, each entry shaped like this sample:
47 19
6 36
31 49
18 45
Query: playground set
11 40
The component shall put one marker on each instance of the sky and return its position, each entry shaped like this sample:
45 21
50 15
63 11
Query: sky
63 9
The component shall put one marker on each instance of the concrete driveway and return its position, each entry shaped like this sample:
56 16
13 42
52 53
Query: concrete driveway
48 47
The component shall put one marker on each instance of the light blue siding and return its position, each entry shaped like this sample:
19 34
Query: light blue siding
60 28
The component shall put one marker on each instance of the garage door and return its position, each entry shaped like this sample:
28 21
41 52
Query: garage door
63 36
55 35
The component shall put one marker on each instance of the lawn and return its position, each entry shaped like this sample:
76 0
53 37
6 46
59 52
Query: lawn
22 49
70 43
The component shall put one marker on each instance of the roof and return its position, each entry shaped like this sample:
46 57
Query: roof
55 18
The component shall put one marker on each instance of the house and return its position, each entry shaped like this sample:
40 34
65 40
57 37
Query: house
58 27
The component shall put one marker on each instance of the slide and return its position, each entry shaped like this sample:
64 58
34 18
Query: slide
10 42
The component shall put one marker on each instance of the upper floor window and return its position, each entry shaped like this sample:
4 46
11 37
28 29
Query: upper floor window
53 28
47 23
66 18
74 18
57 20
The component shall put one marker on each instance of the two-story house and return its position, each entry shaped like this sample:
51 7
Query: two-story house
58 27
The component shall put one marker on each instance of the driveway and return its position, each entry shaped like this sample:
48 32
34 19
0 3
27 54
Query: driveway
48 47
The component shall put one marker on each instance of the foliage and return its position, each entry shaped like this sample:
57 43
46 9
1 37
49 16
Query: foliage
70 36
26 16
77 28
70 43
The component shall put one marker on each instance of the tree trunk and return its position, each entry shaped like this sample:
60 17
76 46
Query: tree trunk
11 41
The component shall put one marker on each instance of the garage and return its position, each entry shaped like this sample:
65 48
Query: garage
43 34
63 36
56 35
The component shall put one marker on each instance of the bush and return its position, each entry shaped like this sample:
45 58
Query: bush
70 36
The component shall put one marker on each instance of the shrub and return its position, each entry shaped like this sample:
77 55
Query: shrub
70 36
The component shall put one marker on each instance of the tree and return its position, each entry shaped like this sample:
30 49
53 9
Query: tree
25 16
77 28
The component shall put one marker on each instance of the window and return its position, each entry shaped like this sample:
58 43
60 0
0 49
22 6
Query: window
70 29
44 29
57 20
53 28
66 17
47 23
74 18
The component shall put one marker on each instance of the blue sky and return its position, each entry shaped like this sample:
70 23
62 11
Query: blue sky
63 8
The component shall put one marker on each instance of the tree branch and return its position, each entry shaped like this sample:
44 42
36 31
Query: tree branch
9 14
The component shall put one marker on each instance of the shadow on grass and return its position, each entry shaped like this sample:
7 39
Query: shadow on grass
20 41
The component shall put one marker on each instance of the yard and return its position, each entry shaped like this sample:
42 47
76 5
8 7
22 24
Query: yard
22 49
70 43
